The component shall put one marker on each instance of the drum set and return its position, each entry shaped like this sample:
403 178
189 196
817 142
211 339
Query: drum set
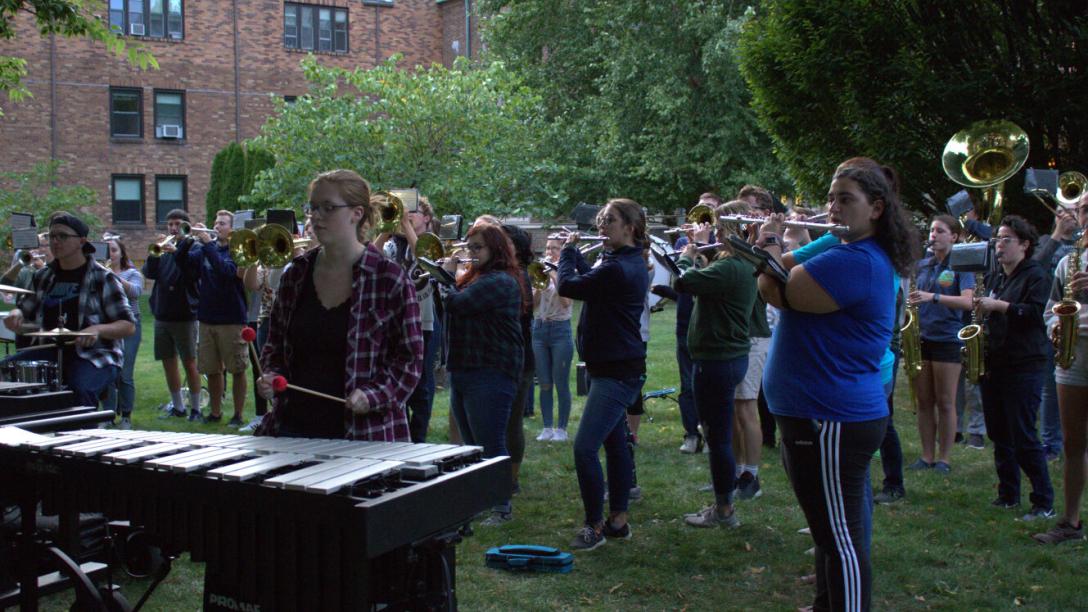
19 376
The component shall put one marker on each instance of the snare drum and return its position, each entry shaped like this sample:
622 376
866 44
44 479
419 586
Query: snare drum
33 372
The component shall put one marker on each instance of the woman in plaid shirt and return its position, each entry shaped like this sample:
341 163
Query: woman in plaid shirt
342 290
485 343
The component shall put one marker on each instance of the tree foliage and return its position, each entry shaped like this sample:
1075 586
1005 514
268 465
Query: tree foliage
228 179
644 99
68 18
895 79
467 138
37 191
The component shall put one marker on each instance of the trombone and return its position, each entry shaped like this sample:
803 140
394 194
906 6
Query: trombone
390 211
699 214
806 225
540 273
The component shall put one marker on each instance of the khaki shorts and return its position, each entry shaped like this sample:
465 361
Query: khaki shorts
753 378
1077 374
222 348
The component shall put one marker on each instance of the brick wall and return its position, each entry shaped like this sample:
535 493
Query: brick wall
202 65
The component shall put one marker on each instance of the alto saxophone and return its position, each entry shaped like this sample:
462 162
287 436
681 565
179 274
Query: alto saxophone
912 344
974 342
1068 313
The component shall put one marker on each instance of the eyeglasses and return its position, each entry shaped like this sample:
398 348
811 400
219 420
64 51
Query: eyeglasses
60 237
606 220
476 248
1007 239
325 208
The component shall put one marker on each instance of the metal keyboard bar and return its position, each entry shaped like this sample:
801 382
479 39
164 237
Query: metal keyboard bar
94 447
55 441
282 480
300 484
375 450
326 487
144 452
196 463
169 462
255 467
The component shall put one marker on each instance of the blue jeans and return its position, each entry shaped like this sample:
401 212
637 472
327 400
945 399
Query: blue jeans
121 396
82 378
1050 421
715 381
480 401
688 415
553 349
421 401
604 422
1010 402
891 451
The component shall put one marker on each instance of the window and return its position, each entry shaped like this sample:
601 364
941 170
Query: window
126 113
169 194
315 28
155 18
170 115
128 198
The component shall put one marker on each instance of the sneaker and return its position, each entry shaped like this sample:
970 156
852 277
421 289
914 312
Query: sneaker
942 468
748 486
1038 513
587 538
236 421
1004 504
921 464
213 418
126 423
888 496
635 494
707 488
1064 531
559 435
545 434
976 442
690 445
251 426
959 437
617 533
195 416
497 518
710 517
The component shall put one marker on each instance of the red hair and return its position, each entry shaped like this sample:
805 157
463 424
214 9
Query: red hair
503 258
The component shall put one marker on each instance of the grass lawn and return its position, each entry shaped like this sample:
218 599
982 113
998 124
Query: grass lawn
942 547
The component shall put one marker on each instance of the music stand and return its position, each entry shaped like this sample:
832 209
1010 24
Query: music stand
662 257
437 272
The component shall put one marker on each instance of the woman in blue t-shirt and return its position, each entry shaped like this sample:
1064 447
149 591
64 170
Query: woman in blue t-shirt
941 295
823 374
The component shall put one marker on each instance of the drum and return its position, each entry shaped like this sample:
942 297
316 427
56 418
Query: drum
34 372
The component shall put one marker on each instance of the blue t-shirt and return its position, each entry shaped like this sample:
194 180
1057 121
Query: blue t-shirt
827 366
825 242
938 322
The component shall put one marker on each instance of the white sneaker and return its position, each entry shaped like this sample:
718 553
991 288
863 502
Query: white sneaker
545 434
691 443
559 435
251 426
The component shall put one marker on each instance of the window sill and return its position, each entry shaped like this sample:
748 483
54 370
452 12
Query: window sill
378 2
154 39
316 52
173 142
126 139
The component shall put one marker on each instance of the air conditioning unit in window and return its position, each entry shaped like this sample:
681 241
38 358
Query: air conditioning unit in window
136 29
168 131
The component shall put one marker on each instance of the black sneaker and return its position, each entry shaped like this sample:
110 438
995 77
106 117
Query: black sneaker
942 468
236 421
195 416
618 533
976 442
1004 504
888 496
1064 531
1038 513
587 538
748 486
921 464
213 418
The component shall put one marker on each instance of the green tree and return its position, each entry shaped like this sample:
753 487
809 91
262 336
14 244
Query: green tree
257 159
69 18
895 79
215 182
470 139
227 181
644 98
38 191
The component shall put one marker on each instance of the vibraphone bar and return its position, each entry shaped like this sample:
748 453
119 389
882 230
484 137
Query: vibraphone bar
281 523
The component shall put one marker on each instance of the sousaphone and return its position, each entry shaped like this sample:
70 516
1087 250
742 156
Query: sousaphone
983 156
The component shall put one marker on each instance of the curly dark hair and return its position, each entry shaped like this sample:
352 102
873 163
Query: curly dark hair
1025 232
893 230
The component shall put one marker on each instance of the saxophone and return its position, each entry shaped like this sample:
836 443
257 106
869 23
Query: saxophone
974 342
1068 313
912 344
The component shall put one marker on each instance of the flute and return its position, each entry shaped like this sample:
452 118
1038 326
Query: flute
807 225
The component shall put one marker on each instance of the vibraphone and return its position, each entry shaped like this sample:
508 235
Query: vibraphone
280 523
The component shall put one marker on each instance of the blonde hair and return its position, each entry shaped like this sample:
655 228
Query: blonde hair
354 189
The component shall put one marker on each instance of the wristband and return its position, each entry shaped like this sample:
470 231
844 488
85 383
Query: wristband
936 298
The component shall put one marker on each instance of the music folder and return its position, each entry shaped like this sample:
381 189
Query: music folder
436 271
762 260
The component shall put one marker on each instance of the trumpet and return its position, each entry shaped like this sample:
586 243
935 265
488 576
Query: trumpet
270 245
1071 186
25 257
390 210
430 246
806 225
156 249
539 274
701 213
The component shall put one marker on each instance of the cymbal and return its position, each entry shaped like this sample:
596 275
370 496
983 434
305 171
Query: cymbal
58 332
15 290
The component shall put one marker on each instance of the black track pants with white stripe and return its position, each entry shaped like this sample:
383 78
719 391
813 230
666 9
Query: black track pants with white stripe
828 465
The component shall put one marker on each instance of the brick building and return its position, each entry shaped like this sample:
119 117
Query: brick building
144 140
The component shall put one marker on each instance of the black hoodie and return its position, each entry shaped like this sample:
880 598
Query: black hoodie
1016 339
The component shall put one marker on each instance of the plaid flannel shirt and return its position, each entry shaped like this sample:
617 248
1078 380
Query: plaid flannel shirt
101 300
484 328
385 342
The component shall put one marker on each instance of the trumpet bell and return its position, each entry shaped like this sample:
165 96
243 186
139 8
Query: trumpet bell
243 247
538 275
390 211
275 245
1071 186
430 246
701 213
